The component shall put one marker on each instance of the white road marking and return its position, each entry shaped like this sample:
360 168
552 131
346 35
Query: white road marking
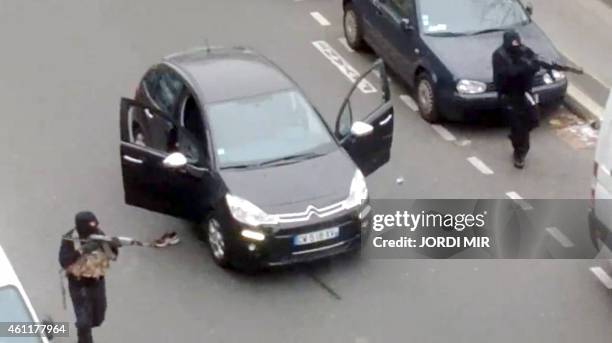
345 68
560 237
480 165
320 19
464 142
520 201
406 99
342 41
602 276
443 132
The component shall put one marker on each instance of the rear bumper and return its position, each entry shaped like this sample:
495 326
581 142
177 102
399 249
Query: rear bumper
457 106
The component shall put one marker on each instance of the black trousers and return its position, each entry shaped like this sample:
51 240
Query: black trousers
522 117
89 301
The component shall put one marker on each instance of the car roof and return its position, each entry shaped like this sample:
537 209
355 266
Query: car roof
9 278
222 74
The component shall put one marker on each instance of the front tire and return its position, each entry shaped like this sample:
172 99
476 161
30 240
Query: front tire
216 241
426 98
353 29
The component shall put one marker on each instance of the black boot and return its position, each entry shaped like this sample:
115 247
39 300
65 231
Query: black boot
84 335
519 161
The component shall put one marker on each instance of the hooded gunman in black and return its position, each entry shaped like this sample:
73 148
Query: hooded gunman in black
87 290
514 69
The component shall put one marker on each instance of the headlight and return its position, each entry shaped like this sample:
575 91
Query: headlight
558 75
245 212
254 235
547 79
471 87
358 192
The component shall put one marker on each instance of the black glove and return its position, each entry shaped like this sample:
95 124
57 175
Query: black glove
90 247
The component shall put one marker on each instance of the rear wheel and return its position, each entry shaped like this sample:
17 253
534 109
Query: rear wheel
426 98
353 30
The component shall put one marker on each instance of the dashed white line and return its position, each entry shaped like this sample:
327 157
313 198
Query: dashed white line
480 165
320 19
560 237
406 99
519 201
443 132
602 276
342 41
345 68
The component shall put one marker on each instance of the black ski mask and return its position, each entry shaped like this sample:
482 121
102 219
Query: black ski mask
86 224
509 38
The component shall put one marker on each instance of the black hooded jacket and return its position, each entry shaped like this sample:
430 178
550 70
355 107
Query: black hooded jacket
68 254
514 67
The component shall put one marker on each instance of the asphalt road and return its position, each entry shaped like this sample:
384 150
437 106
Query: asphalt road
67 63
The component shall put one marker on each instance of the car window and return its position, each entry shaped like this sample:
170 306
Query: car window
359 105
164 87
469 16
266 127
345 120
15 310
191 119
169 137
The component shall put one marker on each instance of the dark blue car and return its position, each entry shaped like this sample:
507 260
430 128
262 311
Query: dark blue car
442 49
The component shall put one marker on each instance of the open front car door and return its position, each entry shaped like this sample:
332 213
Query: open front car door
367 135
161 174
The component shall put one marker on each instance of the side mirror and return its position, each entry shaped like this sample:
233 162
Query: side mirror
406 25
361 129
175 161
529 8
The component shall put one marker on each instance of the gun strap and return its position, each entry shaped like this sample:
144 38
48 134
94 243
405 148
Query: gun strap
76 240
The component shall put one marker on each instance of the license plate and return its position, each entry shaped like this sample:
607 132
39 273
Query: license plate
317 236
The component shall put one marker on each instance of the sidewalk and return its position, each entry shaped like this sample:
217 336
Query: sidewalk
581 31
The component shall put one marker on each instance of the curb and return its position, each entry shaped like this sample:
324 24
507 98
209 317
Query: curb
582 105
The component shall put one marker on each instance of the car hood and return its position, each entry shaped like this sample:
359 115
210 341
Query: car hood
293 187
469 57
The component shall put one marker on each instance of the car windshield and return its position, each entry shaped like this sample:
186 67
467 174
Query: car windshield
14 310
269 127
466 17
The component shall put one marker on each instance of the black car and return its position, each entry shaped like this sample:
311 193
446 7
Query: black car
442 49
224 138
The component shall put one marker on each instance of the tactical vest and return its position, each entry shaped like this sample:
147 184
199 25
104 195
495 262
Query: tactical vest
92 265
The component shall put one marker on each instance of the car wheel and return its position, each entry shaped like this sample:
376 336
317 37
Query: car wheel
426 98
217 243
353 30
